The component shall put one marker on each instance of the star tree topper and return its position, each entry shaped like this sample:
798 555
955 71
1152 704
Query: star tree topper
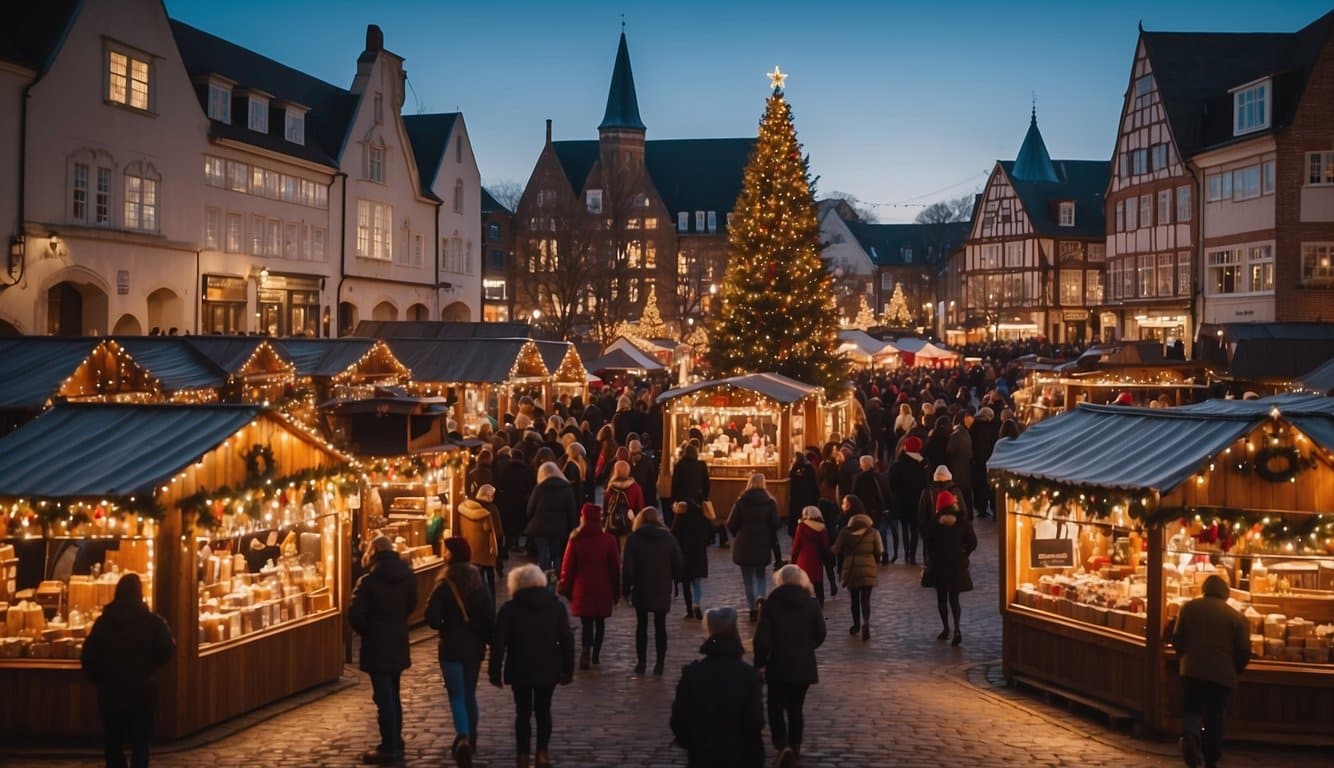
776 78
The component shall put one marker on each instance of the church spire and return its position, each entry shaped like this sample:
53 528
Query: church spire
1033 162
622 104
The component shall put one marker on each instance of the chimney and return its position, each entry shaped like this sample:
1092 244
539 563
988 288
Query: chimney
374 38
548 130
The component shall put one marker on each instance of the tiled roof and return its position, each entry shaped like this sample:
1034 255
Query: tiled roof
690 174
622 104
331 108
32 31
1195 71
430 135
930 243
1081 181
491 205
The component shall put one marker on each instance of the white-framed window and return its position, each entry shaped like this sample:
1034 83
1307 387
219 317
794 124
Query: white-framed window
291 240
256 235
259 114
80 181
234 235
220 102
1132 215
273 240
991 256
212 228
1143 91
1246 183
1251 108
1183 273
1320 168
1145 263
1120 216
1146 210
1092 287
321 196
1139 161
1159 156
418 250
1165 206
1267 177
291 189
699 221
375 162
458 196
1318 264
215 171
1166 266
102 197
129 79
1014 255
374 230
1223 272
317 244
712 221
1067 213
683 221
1260 263
141 201
1183 203
238 176
1072 288
294 125
452 254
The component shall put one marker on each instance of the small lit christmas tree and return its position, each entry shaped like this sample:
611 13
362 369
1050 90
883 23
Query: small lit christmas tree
651 325
897 312
865 318
777 310
698 339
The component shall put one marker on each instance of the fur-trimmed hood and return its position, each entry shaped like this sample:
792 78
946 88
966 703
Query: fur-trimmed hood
474 510
859 525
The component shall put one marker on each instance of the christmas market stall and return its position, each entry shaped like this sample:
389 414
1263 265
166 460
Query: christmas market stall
569 378
482 378
745 424
343 368
184 374
916 352
257 372
1105 373
1116 515
36 371
233 517
866 351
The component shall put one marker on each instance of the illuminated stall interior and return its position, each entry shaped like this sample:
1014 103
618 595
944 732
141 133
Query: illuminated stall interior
483 379
36 371
184 374
257 372
569 378
234 519
343 368
1116 516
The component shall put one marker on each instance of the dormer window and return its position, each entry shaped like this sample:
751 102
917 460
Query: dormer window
1067 214
294 123
219 101
1251 108
259 113
907 255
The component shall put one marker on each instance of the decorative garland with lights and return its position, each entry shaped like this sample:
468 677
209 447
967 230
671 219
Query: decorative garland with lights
1260 532
1290 461
1098 502
204 504
47 512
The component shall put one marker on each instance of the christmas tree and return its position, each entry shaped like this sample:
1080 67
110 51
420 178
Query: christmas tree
651 325
777 309
865 318
897 313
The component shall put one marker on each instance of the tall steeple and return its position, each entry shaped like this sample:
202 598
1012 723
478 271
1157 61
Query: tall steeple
622 104
1033 162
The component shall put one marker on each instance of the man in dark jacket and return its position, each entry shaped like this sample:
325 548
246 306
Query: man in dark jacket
907 480
552 515
873 489
124 650
644 470
381 603
652 563
717 715
959 456
460 609
1213 647
847 470
791 628
984 432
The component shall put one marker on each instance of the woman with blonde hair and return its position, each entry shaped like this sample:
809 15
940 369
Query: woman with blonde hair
552 514
754 526
651 566
576 470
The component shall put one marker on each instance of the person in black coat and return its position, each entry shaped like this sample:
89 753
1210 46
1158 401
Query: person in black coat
907 480
791 628
848 468
804 490
532 649
717 715
693 532
985 432
950 539
690 478
552 515
121 656
516 486
381 603
935 448
873 489
650 566
460 609
754 523
644 470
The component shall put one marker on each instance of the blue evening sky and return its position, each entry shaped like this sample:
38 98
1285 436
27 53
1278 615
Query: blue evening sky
897 103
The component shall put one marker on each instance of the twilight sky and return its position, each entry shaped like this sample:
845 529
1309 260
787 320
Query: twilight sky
900 104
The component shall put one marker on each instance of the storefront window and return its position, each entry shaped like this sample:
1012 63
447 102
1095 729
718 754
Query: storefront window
289 305
224 305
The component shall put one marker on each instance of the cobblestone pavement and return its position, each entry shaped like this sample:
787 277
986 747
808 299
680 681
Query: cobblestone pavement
900 700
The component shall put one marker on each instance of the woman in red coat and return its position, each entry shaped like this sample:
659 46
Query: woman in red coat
810 548
590 577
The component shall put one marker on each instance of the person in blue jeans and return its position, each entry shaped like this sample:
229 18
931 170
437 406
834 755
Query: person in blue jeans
460 609
381 603
754 525
552 516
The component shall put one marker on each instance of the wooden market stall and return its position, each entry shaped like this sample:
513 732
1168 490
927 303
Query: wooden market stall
343 368
184 374
1103 373
748 424
257 371
483 378
1116 515
36 371
232 515
569 378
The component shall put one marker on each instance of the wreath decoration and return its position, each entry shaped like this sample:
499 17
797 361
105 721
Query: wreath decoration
1278 464
259 465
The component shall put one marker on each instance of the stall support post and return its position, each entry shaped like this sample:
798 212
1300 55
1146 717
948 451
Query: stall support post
176 600
1153 669
785 416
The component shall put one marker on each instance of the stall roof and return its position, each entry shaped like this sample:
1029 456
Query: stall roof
1149 448
473 360
230 353
174 362
915 346
553 352
441 329
88 451
33 368
1320 380
774 386
621 359
324 357
865 342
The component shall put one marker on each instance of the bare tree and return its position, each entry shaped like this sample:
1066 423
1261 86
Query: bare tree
619 253
947 211
507 192
863 210
554 246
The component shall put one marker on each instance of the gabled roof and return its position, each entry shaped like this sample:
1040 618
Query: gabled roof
491 205
930 243
1320 380
690 174
622 104
1195 71
553 352
623 360
1082 181
231 353
33 368
324 357
474 361
331 108
1277 352
172 360
1033 163
773 386
32 31
430 136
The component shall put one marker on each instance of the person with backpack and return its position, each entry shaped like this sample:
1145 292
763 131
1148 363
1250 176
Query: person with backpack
461 610
590 579
622 499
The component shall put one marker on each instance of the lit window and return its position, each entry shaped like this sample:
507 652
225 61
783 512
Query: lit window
1165 269
220 102
259 114
1223 273
238 176
215 171
1183 273
128 79
1321 168
1318 264
102 206
374 230
1067 214
140 203
212 228
273 242
294 126
234 234
291 231
1260 263
493 289
257 235
375 163
1251 106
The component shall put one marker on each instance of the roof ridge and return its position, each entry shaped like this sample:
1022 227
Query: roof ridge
302 73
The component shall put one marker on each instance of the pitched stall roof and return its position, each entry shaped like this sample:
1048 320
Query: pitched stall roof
470 361
930 243
325 358
231 353
330 107
1320 380
773 386
176 364
622 103
554 354
1082 181
1277 351
621 359
34 368
441 329
430 136
1113 446
89 451
1195 72
32 31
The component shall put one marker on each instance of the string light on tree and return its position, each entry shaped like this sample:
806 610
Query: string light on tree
897 312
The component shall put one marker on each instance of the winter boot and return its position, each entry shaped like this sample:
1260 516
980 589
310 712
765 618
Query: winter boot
597 650
521 760
543 760
585 655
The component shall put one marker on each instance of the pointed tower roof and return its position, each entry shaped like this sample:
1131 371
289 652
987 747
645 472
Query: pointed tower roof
622 104
1033 162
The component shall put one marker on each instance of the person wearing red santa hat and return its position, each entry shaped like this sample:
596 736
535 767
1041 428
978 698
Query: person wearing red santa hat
949 539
